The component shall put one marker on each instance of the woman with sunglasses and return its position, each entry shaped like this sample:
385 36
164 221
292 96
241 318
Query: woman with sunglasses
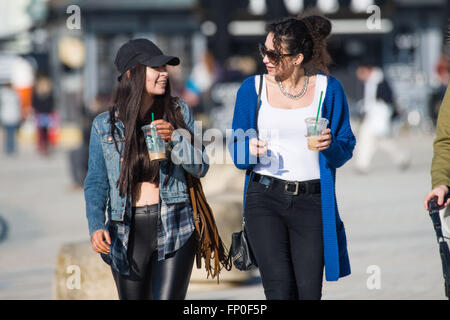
290 208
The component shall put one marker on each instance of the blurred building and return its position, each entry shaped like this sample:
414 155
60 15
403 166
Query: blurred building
107 24
75 42
406 37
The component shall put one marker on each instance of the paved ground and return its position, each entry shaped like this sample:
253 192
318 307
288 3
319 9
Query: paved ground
386 226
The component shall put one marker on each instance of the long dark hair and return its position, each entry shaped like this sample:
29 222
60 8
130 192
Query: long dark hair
306 35
127 106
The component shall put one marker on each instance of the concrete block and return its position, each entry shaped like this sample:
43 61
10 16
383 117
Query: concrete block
81 274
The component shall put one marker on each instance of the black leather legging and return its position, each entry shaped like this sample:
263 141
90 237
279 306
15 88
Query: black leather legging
149 278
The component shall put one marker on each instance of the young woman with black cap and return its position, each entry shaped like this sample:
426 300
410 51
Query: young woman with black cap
290 207
148 237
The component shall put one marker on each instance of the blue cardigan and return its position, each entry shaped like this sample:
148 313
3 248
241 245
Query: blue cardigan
335 109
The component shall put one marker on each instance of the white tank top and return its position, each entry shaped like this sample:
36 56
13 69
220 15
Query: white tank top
288 156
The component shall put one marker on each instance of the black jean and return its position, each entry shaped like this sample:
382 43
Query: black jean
285 233
149 278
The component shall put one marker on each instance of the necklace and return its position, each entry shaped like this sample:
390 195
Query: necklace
294 96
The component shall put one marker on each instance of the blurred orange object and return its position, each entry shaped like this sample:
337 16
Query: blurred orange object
54 131
25 96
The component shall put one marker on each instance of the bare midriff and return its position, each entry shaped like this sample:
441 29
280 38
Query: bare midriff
148 195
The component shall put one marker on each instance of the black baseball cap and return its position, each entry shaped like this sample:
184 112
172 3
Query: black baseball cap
141 51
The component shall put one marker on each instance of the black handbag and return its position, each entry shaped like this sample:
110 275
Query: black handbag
240 250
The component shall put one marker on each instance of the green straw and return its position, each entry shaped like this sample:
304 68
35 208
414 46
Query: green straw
153 117
318 110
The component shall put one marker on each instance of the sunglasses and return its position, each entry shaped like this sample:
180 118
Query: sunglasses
274 56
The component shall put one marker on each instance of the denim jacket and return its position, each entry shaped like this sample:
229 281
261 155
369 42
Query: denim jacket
101 193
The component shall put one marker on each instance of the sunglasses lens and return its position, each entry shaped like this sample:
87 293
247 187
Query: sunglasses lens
272 56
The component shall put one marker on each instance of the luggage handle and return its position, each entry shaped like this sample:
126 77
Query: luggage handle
443 247
435 218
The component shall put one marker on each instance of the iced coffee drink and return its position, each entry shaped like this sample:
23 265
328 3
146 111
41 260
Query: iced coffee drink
314 130
313 141
157 156
155 144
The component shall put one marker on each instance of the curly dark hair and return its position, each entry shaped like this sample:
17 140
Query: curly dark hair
306 35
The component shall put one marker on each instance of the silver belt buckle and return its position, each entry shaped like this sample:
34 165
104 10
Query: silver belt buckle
296 188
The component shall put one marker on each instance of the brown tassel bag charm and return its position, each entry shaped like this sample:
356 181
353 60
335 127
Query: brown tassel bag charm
210 246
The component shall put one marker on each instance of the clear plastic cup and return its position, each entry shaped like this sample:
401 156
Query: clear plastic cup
155 144
314 130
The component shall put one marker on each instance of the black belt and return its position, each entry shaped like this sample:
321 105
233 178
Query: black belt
290 187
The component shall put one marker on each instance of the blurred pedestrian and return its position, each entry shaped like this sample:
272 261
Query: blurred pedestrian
43 106
78 158
148 238
290 208
376 128
10 116
440 166
204 74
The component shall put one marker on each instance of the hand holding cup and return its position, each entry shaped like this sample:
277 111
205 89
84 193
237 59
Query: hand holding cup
164 129
317 133
323 141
